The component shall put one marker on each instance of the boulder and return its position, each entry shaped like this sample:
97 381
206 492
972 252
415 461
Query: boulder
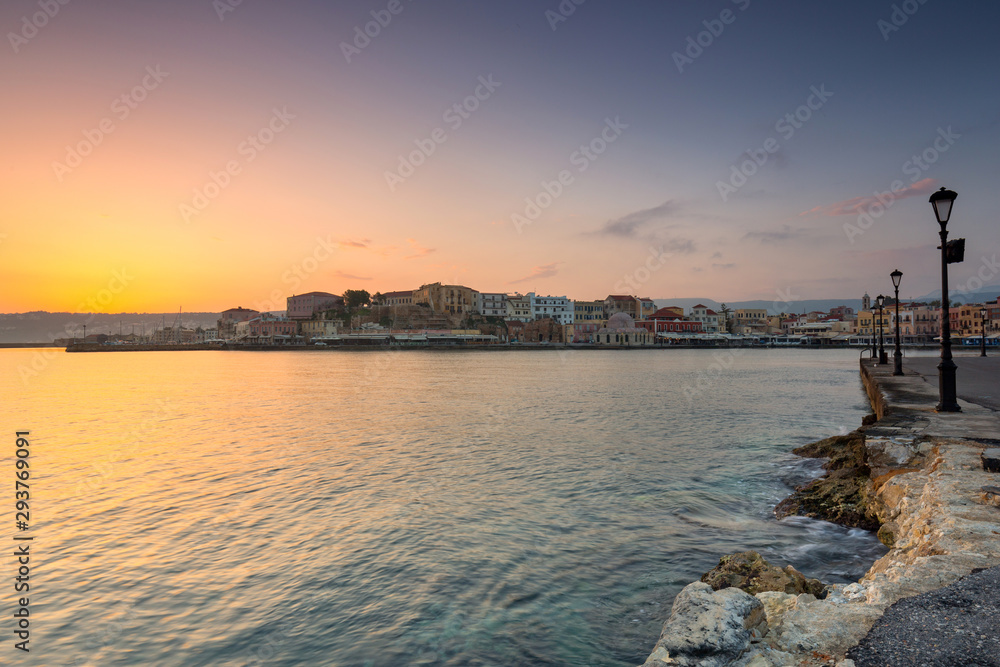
709 628
749 572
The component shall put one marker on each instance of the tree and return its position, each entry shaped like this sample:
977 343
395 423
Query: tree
377 299
355 298
724 309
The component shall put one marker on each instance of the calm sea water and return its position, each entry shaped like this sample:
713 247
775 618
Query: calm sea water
418 507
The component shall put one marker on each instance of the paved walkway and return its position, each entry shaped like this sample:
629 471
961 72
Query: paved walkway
978 378
953 626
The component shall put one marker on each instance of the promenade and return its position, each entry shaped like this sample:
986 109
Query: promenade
931 600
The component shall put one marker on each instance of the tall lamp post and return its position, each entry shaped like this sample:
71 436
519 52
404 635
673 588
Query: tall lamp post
897 355
982 338
942 201
882 357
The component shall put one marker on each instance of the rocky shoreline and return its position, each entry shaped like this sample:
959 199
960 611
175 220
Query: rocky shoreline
913 475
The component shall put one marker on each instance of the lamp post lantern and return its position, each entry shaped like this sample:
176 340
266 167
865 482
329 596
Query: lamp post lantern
942 201
897 355
982 336
882 357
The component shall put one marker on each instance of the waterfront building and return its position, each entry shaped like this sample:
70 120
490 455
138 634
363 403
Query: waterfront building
558 308
992 316
306 306
588 312
676 311
173 336
491 304
545 330
403 298
666 320
450 299
227 320
750 321
709 318
583 332
969 319
926 323
319 328
635 307
518 308
272 328
621 331
843 313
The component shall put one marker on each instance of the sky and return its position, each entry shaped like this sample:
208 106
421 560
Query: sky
204 154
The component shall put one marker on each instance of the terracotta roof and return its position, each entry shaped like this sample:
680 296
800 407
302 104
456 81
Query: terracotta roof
317 294
388 295
700 305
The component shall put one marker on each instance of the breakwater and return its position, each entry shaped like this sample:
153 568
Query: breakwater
930 496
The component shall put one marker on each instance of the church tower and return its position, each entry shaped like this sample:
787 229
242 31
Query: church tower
866 302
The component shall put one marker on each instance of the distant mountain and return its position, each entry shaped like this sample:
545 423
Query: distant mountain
44 327
773 307
956 294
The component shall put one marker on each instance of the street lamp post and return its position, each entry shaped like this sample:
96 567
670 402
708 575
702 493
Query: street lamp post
982 337
942 201
897 356
882 357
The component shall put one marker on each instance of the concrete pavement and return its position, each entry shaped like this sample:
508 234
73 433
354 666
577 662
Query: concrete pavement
978 378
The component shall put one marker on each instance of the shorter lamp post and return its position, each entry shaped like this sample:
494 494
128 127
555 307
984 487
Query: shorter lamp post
982 337
897 356
883 358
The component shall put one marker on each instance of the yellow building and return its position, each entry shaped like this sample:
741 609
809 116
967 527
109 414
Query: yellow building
451 299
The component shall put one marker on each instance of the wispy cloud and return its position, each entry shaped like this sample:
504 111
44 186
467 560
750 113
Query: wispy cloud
716 265
629 226
349 276
784 233
418 250
543 271
858 205
363 243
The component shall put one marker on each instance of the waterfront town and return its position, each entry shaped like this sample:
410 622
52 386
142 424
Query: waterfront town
438 314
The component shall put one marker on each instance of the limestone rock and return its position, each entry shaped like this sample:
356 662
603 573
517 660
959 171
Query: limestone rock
887 533
749 572
708 628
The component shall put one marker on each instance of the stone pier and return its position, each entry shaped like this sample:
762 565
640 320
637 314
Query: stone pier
939 512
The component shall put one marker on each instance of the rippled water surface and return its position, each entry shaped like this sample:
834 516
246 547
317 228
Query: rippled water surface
417 507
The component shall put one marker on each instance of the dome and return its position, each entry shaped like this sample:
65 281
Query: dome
621 321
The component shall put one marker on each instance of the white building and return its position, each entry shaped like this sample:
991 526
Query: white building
491 304
559 308
709 318
519 308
